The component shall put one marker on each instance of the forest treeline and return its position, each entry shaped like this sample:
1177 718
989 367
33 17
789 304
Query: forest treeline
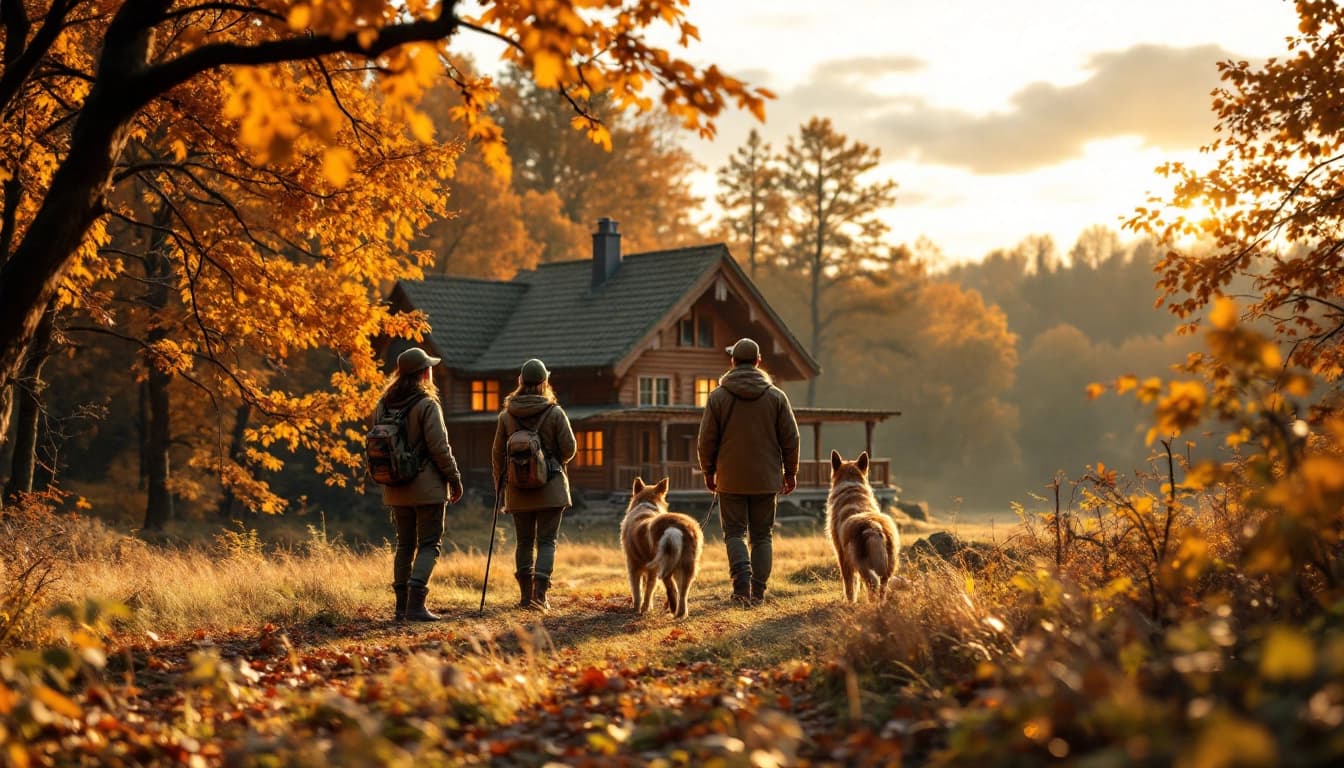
988 361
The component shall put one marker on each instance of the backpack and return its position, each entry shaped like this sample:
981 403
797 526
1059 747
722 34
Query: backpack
388 454
525 463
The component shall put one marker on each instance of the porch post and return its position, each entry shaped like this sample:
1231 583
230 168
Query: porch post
868 437
816 441
662 444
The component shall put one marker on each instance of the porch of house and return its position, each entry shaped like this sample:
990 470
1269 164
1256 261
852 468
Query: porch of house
618 444
652 443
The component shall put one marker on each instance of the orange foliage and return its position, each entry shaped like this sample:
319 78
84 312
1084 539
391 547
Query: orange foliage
275 154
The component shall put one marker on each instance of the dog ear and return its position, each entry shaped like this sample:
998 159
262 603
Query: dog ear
639 484
863 462
662 485
836 461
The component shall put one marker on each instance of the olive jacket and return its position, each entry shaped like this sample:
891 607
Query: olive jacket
424 427
557 442
748 434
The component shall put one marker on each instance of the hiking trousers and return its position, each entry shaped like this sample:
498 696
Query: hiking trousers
537 531
744 515
419 533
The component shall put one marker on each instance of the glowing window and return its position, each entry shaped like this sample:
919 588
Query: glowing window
485 395
703 386
590 449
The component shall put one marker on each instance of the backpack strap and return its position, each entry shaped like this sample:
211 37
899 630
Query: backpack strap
419 450
512 422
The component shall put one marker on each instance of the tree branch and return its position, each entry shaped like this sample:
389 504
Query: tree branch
163 77
20 67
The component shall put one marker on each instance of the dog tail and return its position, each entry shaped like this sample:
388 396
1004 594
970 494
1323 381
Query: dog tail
669 552
875 542
868 551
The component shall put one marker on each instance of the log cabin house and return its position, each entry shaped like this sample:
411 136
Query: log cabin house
634 343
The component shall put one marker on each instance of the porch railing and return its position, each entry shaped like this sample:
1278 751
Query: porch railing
685 476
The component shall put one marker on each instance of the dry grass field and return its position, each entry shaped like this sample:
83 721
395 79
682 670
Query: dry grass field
215 627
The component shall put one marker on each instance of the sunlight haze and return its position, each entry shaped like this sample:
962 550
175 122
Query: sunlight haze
999 120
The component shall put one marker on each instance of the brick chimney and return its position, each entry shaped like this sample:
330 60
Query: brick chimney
606 251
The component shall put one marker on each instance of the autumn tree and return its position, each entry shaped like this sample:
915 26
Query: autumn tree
297 171
82 79
832 235
947 361
1270 204
485 232
642 179
750 200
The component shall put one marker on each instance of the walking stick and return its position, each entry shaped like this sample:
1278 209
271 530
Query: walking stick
494 520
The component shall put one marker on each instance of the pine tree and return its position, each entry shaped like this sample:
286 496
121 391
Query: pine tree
833 234
750 199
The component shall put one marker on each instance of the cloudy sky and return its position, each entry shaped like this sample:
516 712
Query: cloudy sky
998 119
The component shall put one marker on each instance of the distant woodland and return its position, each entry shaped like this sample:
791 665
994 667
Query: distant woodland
987 361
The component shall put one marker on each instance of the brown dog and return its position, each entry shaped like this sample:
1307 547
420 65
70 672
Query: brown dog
865 541
659 545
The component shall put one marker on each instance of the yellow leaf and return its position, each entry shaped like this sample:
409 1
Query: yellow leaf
1224 314
299 16
1269 355
1125 384
1287 654
1229 740
1095 390
422 128
337 165
18 755
179 150
547 67
57 703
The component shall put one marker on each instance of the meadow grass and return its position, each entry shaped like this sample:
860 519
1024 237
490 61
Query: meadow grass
238 583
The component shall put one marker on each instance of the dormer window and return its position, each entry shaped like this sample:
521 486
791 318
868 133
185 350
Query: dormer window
696 330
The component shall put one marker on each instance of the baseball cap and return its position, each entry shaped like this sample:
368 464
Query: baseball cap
415 359
744 351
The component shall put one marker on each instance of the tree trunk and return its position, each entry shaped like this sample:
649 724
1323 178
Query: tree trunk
158 431
816 332
29 393
241 417
159 507
31 274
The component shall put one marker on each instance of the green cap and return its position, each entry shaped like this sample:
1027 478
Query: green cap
415 359
534 372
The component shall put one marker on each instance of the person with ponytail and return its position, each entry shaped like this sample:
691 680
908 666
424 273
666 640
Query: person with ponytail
418 507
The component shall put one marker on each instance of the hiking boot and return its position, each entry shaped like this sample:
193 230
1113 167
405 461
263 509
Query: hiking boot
539 586
400 612
742 590
757 592
415 605
524 589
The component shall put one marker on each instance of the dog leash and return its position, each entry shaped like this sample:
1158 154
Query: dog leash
712 504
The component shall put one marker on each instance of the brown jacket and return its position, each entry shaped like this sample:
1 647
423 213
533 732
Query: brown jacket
425 426
748 434
557 442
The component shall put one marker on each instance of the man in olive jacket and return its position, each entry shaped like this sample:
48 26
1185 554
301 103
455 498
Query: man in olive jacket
748 450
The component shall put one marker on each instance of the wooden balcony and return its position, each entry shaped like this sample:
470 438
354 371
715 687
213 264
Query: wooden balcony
685 476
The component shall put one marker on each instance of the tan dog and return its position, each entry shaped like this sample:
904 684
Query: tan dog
659 545
865 540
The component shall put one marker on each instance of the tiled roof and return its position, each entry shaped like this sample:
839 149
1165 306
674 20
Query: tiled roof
464 313
553 313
